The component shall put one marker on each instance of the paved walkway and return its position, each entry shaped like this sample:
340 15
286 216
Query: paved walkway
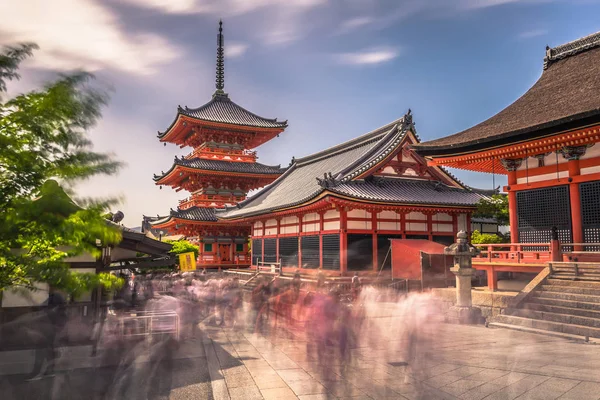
438 361
451 362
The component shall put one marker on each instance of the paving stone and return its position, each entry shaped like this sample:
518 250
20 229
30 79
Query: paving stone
516 389
270 383
442 379
245 393
278 394
553 388
307 387
481 392
290 375
583 391
459 387
320 396
488 374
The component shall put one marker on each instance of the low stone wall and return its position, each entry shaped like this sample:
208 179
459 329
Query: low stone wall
490 303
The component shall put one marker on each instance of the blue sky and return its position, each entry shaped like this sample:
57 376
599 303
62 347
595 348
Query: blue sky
333 68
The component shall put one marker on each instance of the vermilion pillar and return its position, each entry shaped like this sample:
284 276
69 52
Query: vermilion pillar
343 243
512 208
575 200
374 228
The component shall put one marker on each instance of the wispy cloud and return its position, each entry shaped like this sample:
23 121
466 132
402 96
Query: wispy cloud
81 34
235 49
533 33
353 24
368 56
488 3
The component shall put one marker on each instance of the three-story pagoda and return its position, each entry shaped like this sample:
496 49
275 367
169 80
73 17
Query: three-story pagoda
218 172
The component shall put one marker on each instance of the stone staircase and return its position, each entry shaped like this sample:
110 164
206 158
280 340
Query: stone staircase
566 303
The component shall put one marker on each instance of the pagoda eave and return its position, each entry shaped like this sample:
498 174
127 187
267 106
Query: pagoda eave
179 173
178 133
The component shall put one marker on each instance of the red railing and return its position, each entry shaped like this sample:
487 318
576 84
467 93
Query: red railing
519 253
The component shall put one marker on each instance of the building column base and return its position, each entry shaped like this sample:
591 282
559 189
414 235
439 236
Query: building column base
464 315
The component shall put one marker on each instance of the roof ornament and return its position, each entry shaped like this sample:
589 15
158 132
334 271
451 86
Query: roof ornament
408 119
220 61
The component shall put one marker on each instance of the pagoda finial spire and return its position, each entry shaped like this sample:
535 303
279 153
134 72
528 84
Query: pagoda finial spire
220 60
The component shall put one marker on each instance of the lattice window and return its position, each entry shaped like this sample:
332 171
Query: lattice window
256 251
360 252
591 235
309 246
543 236
544 208
270 250
288 251
331 251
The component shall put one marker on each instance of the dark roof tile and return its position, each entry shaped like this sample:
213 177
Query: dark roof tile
225 166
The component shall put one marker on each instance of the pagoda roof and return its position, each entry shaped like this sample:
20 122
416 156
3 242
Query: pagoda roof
565 97
221 109
203 214
338 170
236 167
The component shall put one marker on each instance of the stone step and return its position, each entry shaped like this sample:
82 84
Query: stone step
571 289
556 317
562 310
564 303
540 332
567 296
573 283
572 276
548 325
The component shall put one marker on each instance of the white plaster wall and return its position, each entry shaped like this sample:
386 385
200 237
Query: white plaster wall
258 232
442 217
20 297
389 215
416 226
544 177
312 227
331 214
289 229
271 231
389 226
359 214
331 225
359 225
442 227
590 170
310 217
289 220
416 215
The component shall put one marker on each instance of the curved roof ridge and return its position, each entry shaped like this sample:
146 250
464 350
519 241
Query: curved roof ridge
375 152
571 48
224 98
350 144
184 161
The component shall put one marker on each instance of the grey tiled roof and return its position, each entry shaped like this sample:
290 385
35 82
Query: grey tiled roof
225 166
192 214
221 109
408 191
301 183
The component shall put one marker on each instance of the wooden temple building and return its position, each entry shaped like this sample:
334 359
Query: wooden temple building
336 210
218 172
545 143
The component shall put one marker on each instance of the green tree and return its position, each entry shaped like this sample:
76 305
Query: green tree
183 246
43 141
486 238
495 207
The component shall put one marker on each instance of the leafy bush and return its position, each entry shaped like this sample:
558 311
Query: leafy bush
486 238
183 246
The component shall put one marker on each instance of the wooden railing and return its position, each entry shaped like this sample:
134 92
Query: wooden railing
515 252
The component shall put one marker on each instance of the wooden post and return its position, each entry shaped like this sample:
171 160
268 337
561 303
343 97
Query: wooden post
575 200
374 240
299 241
512 209
492 277
343 242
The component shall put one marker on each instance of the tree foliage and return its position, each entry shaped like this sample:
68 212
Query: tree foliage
486 238
496 207
43 141
183 246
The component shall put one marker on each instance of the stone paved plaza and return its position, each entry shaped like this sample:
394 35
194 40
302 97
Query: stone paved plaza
437 361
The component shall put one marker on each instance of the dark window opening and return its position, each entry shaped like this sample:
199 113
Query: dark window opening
310 251
360 252
270 250
256 251
331 252
288 251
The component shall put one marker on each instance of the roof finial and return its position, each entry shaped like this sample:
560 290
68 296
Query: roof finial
220 59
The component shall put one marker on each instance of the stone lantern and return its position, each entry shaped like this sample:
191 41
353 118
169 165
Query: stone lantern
463 312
